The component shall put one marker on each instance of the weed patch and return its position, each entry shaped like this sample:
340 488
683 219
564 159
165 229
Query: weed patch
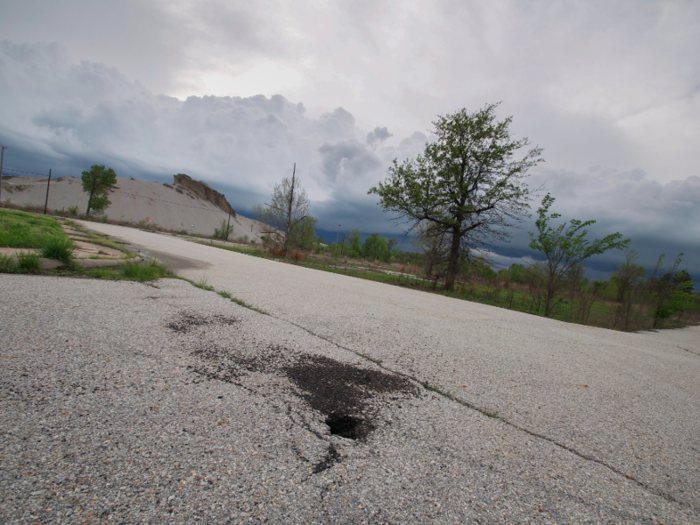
28 263
131 271
59 248
203 283
7 263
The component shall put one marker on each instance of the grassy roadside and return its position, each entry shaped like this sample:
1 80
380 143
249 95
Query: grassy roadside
44 235
590 311
35 232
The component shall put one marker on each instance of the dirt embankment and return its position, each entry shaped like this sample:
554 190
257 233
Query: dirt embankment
184 205
203 191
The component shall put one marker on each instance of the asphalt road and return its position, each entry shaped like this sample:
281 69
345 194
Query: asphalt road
623 408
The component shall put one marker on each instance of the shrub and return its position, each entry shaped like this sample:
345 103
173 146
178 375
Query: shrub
297 256
279 252
58 248
7 264
73 210
223 231
135 271
28 262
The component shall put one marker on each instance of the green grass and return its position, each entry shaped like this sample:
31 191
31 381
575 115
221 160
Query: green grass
101 240
20 229
28 263
131 271
242 303
58 248
7 263
203 283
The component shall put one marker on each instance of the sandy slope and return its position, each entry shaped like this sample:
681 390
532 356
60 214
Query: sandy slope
132 200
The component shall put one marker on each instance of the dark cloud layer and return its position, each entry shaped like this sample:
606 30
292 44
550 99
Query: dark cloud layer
67 115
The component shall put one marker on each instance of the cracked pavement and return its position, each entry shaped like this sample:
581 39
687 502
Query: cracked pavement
592 425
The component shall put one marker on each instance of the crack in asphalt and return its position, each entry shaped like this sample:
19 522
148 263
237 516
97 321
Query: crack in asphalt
653 490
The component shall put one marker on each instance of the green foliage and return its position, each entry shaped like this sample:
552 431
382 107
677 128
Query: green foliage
223 231
378 248
565 246
20 229
516 273
203 283
131 271
135 271
73 210
96 182
302 234
354 244
28 263
672 293
7 263
466 183
59 248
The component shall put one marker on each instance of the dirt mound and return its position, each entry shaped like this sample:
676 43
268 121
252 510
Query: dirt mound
203 191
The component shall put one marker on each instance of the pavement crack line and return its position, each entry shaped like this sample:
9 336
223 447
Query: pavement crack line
427 386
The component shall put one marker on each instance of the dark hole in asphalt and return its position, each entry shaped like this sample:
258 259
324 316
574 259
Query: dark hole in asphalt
341 392
345 426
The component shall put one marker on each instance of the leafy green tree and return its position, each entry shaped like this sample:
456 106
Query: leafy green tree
355 244
628 279
303 234
565 246
516 273
378 248
466 183
673 293
97 182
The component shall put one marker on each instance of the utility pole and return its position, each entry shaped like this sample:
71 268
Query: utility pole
289 213
337 238
47 191
2 158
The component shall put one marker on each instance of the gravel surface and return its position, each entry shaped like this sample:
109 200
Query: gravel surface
107 384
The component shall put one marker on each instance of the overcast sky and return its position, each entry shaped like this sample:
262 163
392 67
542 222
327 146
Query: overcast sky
233 93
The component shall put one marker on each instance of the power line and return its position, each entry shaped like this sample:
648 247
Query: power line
127 193
28 172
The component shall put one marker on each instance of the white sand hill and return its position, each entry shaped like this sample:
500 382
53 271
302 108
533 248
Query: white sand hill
185 205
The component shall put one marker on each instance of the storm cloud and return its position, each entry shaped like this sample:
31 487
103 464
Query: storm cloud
235 93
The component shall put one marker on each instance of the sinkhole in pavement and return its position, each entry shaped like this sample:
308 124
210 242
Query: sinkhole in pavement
342 392
346 426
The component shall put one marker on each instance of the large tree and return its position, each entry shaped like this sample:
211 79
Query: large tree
97 182
565 246
288 207
467 183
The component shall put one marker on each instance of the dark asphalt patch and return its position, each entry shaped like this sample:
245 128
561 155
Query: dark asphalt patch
342 392
188 322
347 397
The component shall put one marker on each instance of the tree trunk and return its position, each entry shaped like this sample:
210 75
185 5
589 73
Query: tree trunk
551 290
92 192
453 264
289 213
